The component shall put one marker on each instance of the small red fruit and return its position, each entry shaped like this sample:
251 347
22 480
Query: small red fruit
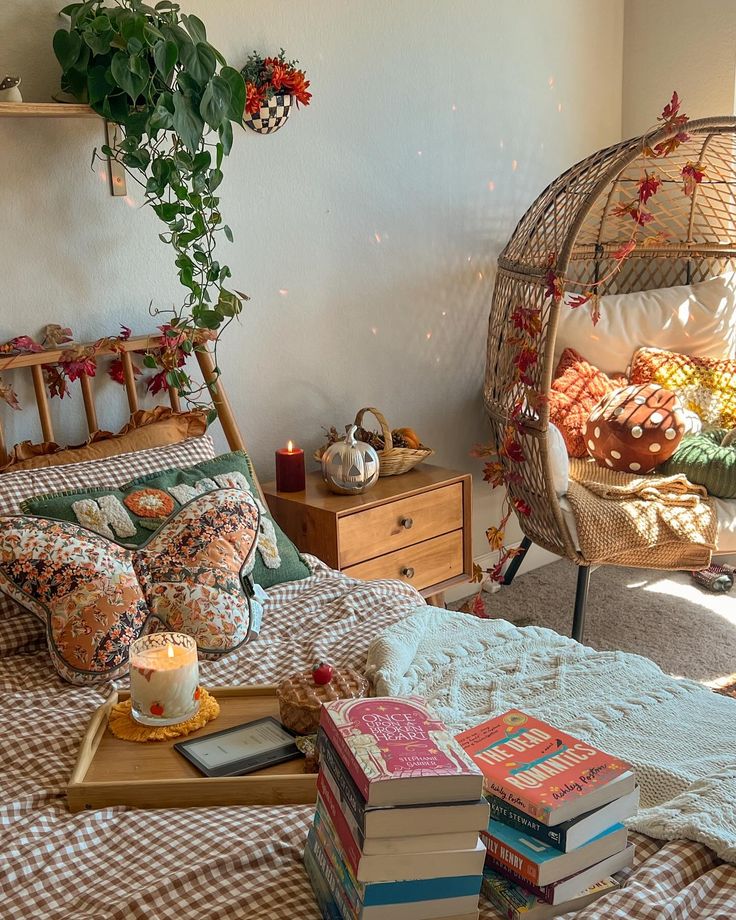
157 709
197 693
322 673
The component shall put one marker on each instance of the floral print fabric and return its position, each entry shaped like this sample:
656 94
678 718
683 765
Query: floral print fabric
95 597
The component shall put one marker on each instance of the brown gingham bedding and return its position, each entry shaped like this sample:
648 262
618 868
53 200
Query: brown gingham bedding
177 864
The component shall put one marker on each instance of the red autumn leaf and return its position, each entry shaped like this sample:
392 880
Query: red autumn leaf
482 450
8 395
579 300
635 211
477 607
525 360
665 148
494 474
624 251
22 343
672 107
116 373
76 367
648 186
512 449
521 507
125 333
692 175
527 320
55 382
157 383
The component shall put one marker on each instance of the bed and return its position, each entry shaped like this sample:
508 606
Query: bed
120 863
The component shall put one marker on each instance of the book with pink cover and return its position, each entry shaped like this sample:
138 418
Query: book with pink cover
399 753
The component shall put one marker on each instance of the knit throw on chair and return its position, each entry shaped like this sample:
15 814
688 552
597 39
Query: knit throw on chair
679 736
661 522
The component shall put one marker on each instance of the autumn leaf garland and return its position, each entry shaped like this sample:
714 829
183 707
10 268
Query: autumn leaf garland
501 462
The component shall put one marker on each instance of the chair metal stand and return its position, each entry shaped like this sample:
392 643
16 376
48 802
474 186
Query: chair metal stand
581 601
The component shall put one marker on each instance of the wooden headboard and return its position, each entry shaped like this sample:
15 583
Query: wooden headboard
123 350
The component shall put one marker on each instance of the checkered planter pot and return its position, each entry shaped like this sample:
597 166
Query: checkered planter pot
271 116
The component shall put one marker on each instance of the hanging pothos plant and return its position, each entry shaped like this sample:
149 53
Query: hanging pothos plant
152 71
637 213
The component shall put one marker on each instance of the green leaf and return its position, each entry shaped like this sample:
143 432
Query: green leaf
160 119
228 304
195 27
226 137
166 211
235 81
215 102
220 154
199 61
228 233
67 46
188 123
132 83
165 56
98 43
97 84
115 108
149 361
210 319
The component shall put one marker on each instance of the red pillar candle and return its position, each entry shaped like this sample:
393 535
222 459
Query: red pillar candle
290 469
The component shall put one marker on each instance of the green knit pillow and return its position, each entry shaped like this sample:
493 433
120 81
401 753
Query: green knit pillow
131 513
706 463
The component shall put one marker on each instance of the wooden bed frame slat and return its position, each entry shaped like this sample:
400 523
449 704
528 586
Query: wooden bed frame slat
36 361
42 402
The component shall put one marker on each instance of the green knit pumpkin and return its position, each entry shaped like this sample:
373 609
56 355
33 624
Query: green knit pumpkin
705 462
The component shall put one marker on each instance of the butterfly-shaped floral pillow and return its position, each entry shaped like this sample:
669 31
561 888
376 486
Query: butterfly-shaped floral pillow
95 597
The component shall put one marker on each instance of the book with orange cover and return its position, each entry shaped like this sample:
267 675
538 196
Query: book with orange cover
543 771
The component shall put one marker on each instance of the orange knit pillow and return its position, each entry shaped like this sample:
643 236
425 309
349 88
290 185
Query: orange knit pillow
576 389
706 386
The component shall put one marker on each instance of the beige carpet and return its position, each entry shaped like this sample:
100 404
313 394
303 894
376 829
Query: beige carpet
688 631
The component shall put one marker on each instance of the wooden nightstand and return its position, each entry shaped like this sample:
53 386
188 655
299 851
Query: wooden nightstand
414 527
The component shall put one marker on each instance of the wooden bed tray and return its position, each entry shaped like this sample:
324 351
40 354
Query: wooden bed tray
109 771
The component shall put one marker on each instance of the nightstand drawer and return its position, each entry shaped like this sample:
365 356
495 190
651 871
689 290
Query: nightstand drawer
420 565
400 523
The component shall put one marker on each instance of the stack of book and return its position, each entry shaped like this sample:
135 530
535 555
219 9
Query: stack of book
555 835
399 812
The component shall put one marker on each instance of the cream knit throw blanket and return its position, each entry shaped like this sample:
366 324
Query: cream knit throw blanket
680 736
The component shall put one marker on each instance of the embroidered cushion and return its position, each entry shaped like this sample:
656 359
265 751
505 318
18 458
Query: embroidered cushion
20 630
707 386
576 389
634 429
95 597
131 512
707 461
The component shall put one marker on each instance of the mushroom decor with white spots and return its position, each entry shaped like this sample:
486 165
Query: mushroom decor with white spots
635 428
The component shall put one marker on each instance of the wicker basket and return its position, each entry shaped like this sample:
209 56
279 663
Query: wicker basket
393 460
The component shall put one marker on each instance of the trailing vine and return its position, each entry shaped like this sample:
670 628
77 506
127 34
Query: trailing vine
152 71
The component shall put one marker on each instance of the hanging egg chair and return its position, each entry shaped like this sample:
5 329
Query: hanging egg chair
572 230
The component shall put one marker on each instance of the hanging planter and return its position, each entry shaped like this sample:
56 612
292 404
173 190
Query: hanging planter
272 115
273 86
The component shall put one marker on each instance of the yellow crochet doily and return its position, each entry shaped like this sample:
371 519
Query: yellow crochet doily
123 725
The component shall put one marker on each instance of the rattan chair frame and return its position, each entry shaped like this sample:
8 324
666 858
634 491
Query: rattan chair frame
573 221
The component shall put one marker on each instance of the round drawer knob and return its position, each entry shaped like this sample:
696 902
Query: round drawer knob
406 522
407 572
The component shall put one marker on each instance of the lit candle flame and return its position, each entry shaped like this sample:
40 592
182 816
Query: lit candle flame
170 650
290 446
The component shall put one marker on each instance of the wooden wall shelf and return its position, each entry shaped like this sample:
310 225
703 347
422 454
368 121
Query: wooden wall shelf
45 110
116 173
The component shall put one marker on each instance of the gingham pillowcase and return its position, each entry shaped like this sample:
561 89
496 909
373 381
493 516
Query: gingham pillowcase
19 629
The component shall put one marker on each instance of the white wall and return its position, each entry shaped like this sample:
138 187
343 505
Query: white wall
678 45
366 231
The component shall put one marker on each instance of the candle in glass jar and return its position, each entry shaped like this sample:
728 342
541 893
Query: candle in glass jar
290 476
164 678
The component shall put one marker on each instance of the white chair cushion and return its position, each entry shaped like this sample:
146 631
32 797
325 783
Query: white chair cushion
692 319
